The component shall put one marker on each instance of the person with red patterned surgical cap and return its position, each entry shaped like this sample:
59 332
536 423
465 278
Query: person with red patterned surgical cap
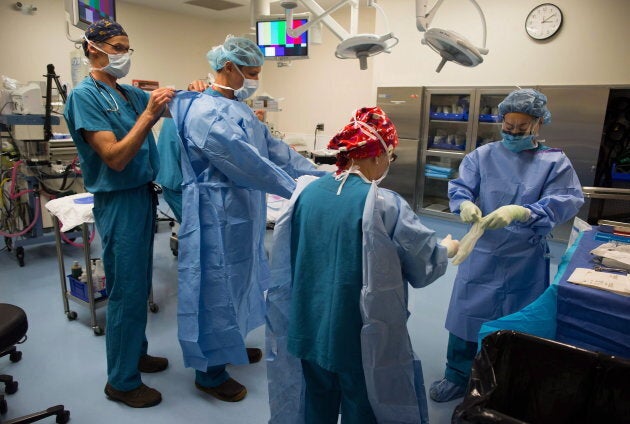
343 254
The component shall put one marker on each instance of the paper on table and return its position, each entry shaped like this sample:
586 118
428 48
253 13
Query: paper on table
616 283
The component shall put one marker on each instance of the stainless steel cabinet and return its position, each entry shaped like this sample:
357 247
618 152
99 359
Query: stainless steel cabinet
403 105
455 121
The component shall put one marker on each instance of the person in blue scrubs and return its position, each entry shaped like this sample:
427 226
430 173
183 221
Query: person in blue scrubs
229 161
343 255
111 126
519 190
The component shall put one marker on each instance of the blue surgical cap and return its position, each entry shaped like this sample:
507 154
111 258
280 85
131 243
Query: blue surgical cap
527 101
238 50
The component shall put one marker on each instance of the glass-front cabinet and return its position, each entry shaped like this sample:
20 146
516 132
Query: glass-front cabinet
455 121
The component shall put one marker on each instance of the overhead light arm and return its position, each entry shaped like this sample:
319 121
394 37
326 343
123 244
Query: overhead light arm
321 15
353 45
425 16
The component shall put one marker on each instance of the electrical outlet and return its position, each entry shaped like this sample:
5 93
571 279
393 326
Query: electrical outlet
320 126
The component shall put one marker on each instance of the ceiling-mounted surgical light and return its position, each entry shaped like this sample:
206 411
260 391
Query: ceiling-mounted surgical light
450 45
353 45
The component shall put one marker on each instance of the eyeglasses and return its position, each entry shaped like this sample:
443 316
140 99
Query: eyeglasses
393 157
119 48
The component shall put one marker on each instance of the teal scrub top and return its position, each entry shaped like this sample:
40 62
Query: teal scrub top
326 257
168 144
91 106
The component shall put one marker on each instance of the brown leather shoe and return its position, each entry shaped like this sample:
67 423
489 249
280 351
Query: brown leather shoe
141 397
254 355
229 391
150 363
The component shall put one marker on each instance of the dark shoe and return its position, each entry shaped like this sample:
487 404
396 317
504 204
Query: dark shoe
142 397
254 355
445 390
229 391
150 363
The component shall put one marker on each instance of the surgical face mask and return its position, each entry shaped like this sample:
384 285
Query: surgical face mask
518 142
119 64
248 89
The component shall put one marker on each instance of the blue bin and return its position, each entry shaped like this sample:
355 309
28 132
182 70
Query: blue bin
79 289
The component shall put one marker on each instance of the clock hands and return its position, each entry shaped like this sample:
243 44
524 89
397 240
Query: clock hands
547 18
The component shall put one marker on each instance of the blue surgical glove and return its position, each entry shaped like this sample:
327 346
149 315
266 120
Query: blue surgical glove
469 212
504 216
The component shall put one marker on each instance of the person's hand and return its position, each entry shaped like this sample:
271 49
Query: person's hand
504 216
198 85
469 212
452 246
160 97
260 114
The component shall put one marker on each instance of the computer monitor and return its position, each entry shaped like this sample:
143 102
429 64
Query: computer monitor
82 13
272 38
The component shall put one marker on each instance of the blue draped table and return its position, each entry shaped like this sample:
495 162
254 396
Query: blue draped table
585 317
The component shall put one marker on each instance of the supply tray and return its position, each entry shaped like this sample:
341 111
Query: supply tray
619 176
79 290
445 145
489 118
449 116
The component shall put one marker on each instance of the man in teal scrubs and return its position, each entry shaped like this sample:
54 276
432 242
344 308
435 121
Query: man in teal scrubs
111 127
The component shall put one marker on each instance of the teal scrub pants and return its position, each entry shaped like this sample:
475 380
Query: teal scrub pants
126 223
174 200
459 357
327 391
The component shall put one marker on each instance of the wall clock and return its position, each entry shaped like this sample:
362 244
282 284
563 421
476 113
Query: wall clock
543 21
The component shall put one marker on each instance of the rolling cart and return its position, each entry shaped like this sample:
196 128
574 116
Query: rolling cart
79 215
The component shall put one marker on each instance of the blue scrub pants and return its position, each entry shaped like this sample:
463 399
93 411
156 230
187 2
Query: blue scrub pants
126 223
459 357
174 200
327 391
213 377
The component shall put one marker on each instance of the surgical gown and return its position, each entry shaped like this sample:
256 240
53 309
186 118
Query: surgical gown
509 267
229 162
396 249
124 212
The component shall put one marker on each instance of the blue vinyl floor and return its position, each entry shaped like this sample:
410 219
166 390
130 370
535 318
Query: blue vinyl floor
64 362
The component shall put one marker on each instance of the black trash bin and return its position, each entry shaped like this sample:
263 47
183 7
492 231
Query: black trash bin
517 378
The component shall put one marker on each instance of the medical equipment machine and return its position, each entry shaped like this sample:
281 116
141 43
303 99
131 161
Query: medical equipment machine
83 12
275 43
450 45
27 100
352 45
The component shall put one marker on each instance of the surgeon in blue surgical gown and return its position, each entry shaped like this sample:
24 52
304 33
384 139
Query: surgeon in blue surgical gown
518 189
229 161
343 256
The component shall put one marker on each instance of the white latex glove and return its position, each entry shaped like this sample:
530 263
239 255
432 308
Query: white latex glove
469 212
504 216
452 246
468 243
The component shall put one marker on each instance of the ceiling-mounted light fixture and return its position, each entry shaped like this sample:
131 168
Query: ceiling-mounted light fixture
450 45
353 45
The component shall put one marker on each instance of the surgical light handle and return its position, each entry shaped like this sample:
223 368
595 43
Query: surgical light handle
424 18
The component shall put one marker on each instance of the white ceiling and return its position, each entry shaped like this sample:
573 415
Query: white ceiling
241 13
